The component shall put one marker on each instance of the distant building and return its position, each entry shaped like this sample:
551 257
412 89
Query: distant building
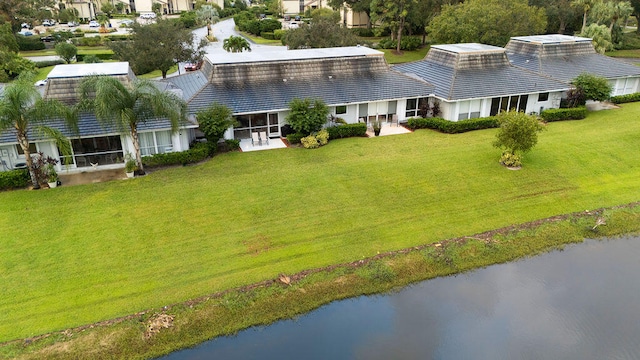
88 9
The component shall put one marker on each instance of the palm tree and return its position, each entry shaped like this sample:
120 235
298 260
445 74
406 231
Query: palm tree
619 10
585 6
23 109
115 103
236 44
208 14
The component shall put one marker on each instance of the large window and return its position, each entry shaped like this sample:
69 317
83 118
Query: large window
256 123
155 142
32 149
341 109
101 150
508 103
543 97
417 107
469 109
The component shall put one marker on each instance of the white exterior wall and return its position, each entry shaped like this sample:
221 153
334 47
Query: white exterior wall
291 7
624 86
448 110
351 117
535 106
351 19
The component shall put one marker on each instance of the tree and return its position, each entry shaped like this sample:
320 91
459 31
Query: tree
585 6
158 46
307 116
518 134
355 5
156 8
23 110
393 14
593 87
214 121
319 34
636 13
126 106
601 37
491 22
561 16
66 51
209 15
236 44
108 8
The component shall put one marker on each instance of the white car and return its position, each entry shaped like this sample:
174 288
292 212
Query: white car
293 25
42 82
72 24
148 16
93 23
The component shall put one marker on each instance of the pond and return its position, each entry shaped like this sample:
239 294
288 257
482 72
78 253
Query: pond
580 303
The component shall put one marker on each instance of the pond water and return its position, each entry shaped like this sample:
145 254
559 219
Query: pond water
580 303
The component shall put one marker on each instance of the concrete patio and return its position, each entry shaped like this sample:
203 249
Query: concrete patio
245 145
388 129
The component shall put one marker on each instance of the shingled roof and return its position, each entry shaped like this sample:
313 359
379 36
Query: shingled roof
564 57
470 71
268 81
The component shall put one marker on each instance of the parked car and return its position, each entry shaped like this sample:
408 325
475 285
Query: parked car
47 38
42 82
72 24
293 25
148 16
298 18
25 26
25 32
193 66
287 18
94 23
126 22
47 22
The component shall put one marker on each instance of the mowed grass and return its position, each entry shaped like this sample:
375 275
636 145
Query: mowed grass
77 255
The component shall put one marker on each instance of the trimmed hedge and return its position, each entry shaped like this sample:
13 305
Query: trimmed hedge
14 179
347 130
101 56
550 115
621 99
197 153
29 43
41 64
294 138
452 127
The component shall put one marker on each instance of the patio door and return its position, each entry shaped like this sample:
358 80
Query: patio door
274 128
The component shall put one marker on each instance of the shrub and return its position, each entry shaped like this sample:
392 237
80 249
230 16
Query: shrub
91 59
510 160
269 25
14 179
348 130
116 37
294 138
452 127
232 144
268 35
101 56
408 43
550 115
87 41
46 63
310 142
252 27
592 86
28 43
189 19
306 115
362 32
323 137
197 153
214 121
278 34
621 99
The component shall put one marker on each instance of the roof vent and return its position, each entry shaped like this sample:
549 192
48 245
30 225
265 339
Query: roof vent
284 80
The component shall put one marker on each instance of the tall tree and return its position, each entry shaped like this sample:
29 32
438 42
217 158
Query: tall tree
561 17
23 109
392 13
320 34
585 6
600 36
636 13
125 107
158 46
491 22
236 44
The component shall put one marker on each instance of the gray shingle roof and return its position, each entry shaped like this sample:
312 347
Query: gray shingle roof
89 126
261 96
566 68
452 84
190 83
565 57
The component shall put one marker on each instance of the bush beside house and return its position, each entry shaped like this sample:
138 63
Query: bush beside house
577 113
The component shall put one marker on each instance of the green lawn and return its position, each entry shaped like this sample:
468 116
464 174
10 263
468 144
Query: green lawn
260 40
635 53
82 50
76 255
406 56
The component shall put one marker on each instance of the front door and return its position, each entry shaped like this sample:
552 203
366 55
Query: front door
274 129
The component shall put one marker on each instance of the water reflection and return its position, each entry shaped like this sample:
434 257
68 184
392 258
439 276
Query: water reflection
581 303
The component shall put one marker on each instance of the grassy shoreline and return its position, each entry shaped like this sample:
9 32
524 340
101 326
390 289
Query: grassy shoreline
228 312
